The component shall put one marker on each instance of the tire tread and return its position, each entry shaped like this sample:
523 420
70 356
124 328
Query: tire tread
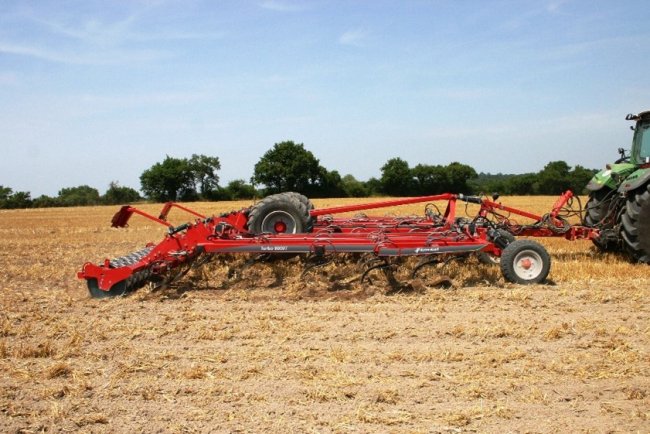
512 250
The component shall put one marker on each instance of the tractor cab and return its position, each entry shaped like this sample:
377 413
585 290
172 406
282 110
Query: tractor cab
629 171
640 154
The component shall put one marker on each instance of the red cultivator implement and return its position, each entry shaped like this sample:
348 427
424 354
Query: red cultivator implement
287 224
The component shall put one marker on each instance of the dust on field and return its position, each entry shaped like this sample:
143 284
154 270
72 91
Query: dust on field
268 350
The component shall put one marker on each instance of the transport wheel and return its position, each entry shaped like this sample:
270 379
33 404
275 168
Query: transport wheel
117 290
278 214
636 225
304 200
597 210
525 262
301 198
491 259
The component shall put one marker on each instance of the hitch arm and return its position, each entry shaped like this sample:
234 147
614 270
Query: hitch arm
169 205
122 217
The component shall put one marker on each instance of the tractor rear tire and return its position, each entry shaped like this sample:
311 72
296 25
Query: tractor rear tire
279 213
525 262
597 209
636 225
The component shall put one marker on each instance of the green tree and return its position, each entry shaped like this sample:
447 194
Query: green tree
20 199
12 200
239 189
288 167
554 178
5 192
204 174
396 178
458 176
430 179
328 184
172 179
78 196
579 178
524 184
354 188
116 194
44 201
374 187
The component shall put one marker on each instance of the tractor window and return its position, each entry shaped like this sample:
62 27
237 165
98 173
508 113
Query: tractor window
643 138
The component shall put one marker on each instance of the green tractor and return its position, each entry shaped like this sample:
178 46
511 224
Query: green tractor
619 197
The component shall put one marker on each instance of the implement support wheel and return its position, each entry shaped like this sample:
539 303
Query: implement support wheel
525 262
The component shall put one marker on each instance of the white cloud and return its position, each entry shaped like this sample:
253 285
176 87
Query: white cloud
95 32
90 30
467 94
177 36
43 54
281 6
355 38
146 99
554 6
92 40
91 57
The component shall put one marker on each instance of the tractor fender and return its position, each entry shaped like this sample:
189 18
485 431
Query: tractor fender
611 177
595 184
635 180
600 180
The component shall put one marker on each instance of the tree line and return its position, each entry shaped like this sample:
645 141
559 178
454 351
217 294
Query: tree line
72 196
288 166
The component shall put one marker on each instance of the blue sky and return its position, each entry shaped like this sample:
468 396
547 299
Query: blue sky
98 91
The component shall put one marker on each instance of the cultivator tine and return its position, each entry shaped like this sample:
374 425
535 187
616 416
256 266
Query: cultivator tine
315 261
443 280
425 261
237 273
434 260
383 264
175 277
373 264
392 281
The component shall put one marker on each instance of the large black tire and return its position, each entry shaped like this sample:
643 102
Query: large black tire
308 207
279 213
600 215
636 225
525 262
301 198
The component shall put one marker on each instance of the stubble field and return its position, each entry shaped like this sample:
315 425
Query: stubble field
276 353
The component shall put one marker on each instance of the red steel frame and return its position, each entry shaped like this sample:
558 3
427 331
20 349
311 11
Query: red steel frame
381 236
